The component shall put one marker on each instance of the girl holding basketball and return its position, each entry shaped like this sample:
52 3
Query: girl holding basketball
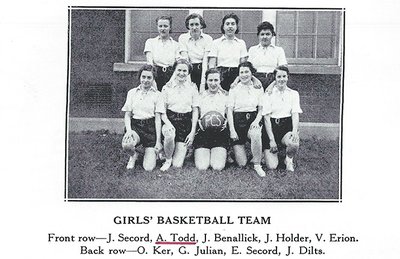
281 117
244 117
142 120
212 138
180 97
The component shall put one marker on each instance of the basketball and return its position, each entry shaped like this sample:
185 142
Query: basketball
212 120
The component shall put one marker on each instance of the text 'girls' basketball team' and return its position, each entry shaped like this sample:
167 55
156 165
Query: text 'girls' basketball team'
214 95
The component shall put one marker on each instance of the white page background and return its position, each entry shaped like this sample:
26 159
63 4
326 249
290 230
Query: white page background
33 74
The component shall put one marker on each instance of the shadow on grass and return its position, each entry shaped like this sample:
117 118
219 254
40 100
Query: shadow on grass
96 169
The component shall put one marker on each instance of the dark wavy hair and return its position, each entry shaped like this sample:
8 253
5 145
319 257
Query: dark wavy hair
249 65
233 16
149 68
165 17
265 26
194 16
282 68
183 61
213 70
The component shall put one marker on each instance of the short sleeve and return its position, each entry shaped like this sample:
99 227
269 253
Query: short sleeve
209 42
267 109
282 57
260 97
160 104
128 103
231 99
178 49
296 103
243 49
250 53
182 43
195 96
213 49
148 47
164 98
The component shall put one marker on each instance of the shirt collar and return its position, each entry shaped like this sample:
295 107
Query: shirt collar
159 38
250 86
275 89
152 89
223 37
191 38
175 84
270 45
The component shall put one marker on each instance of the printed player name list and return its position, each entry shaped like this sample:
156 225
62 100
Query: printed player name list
198 244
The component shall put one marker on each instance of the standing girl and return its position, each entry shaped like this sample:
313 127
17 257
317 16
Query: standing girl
162 51
196 46
227 52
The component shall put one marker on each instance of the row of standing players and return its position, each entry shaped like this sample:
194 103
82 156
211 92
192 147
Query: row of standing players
225 53
269 120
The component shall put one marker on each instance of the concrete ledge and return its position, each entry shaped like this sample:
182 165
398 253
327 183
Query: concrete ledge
308 130
133 66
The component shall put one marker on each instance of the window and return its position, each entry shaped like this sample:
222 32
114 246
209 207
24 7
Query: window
309 37
143 26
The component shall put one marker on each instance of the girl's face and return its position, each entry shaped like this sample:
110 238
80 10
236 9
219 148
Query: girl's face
194 26
281 79
230 27
146 79
163 27
182 72
213 81
265 37
245 75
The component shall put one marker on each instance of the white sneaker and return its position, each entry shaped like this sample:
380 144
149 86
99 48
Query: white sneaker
167 164
259 170
131 162
289 164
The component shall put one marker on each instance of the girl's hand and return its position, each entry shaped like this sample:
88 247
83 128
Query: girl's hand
295 137
235 82
270 87
273 147
189 139
158 147
234 135
257 83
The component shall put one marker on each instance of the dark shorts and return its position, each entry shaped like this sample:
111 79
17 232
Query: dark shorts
163 74
265 138
228 75
196 74
280 127
242 122
146 130
211 138
266 79
182 123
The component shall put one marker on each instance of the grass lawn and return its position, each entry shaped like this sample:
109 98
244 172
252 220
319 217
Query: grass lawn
96 169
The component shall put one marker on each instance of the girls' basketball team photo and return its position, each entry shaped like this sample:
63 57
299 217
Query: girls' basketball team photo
204 104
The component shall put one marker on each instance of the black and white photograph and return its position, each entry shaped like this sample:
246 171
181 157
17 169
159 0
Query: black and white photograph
205 104
212 129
